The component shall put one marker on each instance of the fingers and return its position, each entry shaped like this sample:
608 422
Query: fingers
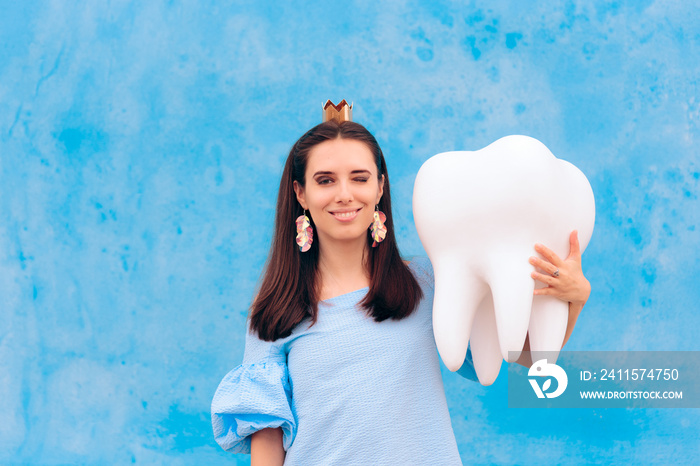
549 291
551 256
553 287
571 285
568 285
544 278
548 254
574 247
543 265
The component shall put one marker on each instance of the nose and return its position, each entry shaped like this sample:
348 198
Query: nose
344 194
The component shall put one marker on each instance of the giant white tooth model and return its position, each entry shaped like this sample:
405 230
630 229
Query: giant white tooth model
479 215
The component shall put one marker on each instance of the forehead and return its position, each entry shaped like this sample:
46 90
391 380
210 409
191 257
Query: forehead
338 155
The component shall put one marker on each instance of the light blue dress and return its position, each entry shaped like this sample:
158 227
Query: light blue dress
347 390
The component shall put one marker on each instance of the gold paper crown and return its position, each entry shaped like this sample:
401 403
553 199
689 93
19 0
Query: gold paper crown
341 112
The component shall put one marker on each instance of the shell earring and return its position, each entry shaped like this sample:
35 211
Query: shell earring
305 233
378 229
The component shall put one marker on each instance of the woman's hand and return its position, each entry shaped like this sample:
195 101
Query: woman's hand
564 278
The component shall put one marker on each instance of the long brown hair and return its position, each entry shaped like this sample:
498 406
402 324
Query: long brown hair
289 289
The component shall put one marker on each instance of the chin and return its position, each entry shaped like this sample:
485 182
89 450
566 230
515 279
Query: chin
349 237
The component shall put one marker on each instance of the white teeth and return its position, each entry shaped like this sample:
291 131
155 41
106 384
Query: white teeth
479 215
345 214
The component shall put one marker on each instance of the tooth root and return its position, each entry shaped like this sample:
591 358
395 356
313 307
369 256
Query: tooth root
512 290
547 330
454 306
486 352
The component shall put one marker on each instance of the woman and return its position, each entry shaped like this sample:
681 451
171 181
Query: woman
340 364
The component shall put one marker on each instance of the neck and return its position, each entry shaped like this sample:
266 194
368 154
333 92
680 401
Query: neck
342 267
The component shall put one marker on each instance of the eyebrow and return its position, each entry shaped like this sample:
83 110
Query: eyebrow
332 173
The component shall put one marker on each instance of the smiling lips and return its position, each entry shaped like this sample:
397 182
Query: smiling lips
345 216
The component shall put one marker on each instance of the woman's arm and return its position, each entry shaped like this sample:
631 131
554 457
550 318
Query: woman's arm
266 448
569 284
574 311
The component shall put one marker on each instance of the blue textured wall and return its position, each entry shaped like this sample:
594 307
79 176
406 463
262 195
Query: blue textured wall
140 150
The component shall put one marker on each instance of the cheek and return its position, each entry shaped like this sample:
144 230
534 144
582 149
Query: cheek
318 198
372 195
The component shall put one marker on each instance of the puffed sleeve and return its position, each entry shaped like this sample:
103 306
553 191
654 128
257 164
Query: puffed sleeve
426 275
254 396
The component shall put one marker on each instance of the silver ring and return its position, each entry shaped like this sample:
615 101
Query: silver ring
556 273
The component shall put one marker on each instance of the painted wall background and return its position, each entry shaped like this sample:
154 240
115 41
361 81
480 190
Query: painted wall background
141 144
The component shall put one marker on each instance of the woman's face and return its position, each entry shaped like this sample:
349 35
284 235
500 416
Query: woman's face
341 190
